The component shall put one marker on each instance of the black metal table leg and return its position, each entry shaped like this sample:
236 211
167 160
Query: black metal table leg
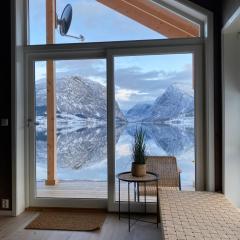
119 200
158 213
145 199
129 226
138 197
127 177
135 195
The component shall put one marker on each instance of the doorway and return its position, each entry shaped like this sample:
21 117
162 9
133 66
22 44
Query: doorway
97 100
160 91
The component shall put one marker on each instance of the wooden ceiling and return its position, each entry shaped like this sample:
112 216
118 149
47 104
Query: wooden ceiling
155 17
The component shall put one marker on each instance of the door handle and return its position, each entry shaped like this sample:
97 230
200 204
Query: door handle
31 123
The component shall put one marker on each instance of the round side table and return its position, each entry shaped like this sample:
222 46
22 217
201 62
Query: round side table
129 178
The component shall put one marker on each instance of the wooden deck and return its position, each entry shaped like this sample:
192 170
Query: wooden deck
82 189
73 189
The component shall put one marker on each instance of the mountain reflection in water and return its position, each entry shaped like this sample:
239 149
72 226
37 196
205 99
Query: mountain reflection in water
82 153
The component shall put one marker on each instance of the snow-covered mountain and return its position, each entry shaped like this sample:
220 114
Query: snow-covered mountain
175 102
76 96
139 112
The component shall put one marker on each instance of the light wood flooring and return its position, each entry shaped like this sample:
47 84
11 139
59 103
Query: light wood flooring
12 228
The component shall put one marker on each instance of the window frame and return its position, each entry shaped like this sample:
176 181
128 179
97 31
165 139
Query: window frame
19 51
198 76
107 51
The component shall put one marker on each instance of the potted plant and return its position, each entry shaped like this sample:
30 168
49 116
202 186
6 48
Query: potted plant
138 155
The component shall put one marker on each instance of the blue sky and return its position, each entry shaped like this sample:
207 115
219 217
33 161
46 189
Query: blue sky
137 78
91 19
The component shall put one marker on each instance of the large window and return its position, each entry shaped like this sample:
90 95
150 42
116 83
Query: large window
87 99
105 21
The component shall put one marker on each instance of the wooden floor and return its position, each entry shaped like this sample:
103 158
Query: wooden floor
12 228
83 189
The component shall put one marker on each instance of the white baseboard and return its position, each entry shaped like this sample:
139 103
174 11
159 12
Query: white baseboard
5 213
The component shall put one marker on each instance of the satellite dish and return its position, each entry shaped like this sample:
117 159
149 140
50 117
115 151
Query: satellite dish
64 22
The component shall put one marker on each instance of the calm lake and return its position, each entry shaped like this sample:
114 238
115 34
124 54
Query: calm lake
82 150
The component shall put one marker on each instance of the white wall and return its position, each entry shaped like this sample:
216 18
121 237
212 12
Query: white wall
231 110
18 165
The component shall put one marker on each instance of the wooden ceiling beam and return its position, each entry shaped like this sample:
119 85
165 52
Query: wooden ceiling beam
171 18
51 97
155 17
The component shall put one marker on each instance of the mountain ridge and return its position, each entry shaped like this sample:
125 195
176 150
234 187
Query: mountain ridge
173 103
77 96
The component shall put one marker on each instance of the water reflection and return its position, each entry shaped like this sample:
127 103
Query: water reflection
173 140
82 153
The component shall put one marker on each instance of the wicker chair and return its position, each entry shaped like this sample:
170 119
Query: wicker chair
166 167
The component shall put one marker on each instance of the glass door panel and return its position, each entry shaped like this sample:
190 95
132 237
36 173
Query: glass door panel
155 93
81 130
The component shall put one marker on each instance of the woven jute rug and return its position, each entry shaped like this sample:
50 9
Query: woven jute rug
68 221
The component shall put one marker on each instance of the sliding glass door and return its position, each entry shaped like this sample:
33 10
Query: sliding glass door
156 94
98 103
158 91
80 93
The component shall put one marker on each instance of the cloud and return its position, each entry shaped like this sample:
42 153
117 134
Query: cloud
127 94
133 78
93 69
123 150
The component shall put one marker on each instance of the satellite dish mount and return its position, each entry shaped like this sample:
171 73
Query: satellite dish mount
64 23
